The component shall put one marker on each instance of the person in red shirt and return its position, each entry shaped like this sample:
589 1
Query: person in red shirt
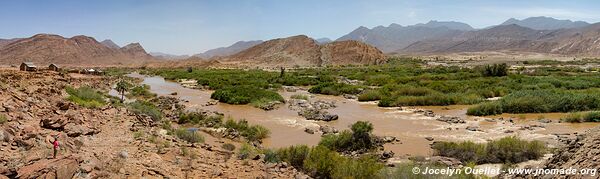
55 145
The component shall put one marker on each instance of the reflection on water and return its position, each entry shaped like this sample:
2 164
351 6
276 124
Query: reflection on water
287 128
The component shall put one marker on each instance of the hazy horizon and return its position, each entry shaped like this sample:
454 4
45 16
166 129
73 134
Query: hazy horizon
189 27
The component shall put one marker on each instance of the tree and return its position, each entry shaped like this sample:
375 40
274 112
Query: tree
122 87
282 73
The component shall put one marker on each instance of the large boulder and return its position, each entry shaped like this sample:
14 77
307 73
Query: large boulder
56 123
55 168
451 119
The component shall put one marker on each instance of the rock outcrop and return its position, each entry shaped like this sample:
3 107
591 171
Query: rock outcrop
303 51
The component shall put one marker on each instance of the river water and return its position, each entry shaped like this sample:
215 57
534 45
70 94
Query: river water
287 128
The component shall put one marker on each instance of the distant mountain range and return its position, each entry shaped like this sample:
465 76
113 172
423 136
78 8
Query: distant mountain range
230 50
44 49
546 23
166 56
574 41
534 34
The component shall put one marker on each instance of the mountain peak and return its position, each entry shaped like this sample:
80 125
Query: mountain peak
110 44
448 24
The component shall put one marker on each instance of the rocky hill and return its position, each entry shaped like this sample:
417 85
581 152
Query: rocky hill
546 23
304 51
80 50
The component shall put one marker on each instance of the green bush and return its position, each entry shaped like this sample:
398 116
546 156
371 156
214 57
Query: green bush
3 119
146 108
363 167
337 142
464 151
245 95
358 139
299 96
370 95
504 150
294 155
189 136
321 162
245 151
513 150
250 132
435 99
200 119
271 156
488 108
228 146
331 88
495 70
86 97
540 101
592 116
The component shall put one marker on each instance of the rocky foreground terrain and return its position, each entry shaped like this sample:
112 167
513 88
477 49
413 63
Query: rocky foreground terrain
107 142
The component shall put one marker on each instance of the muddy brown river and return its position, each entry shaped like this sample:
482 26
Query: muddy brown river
287 128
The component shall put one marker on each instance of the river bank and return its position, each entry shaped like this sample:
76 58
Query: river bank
415 130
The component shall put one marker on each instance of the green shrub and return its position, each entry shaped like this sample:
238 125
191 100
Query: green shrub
540 101
299 96
331 88
337 142
3 119
488 108
250 132
86 97
200 119
321 162
358 139
363 167
370 95
592 116
245 95
189 136
495 70
464 151
504 150
272 156
513 150
146 108
245 151
294 155
228 146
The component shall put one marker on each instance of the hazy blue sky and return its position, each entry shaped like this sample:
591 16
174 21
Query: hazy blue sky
188 27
